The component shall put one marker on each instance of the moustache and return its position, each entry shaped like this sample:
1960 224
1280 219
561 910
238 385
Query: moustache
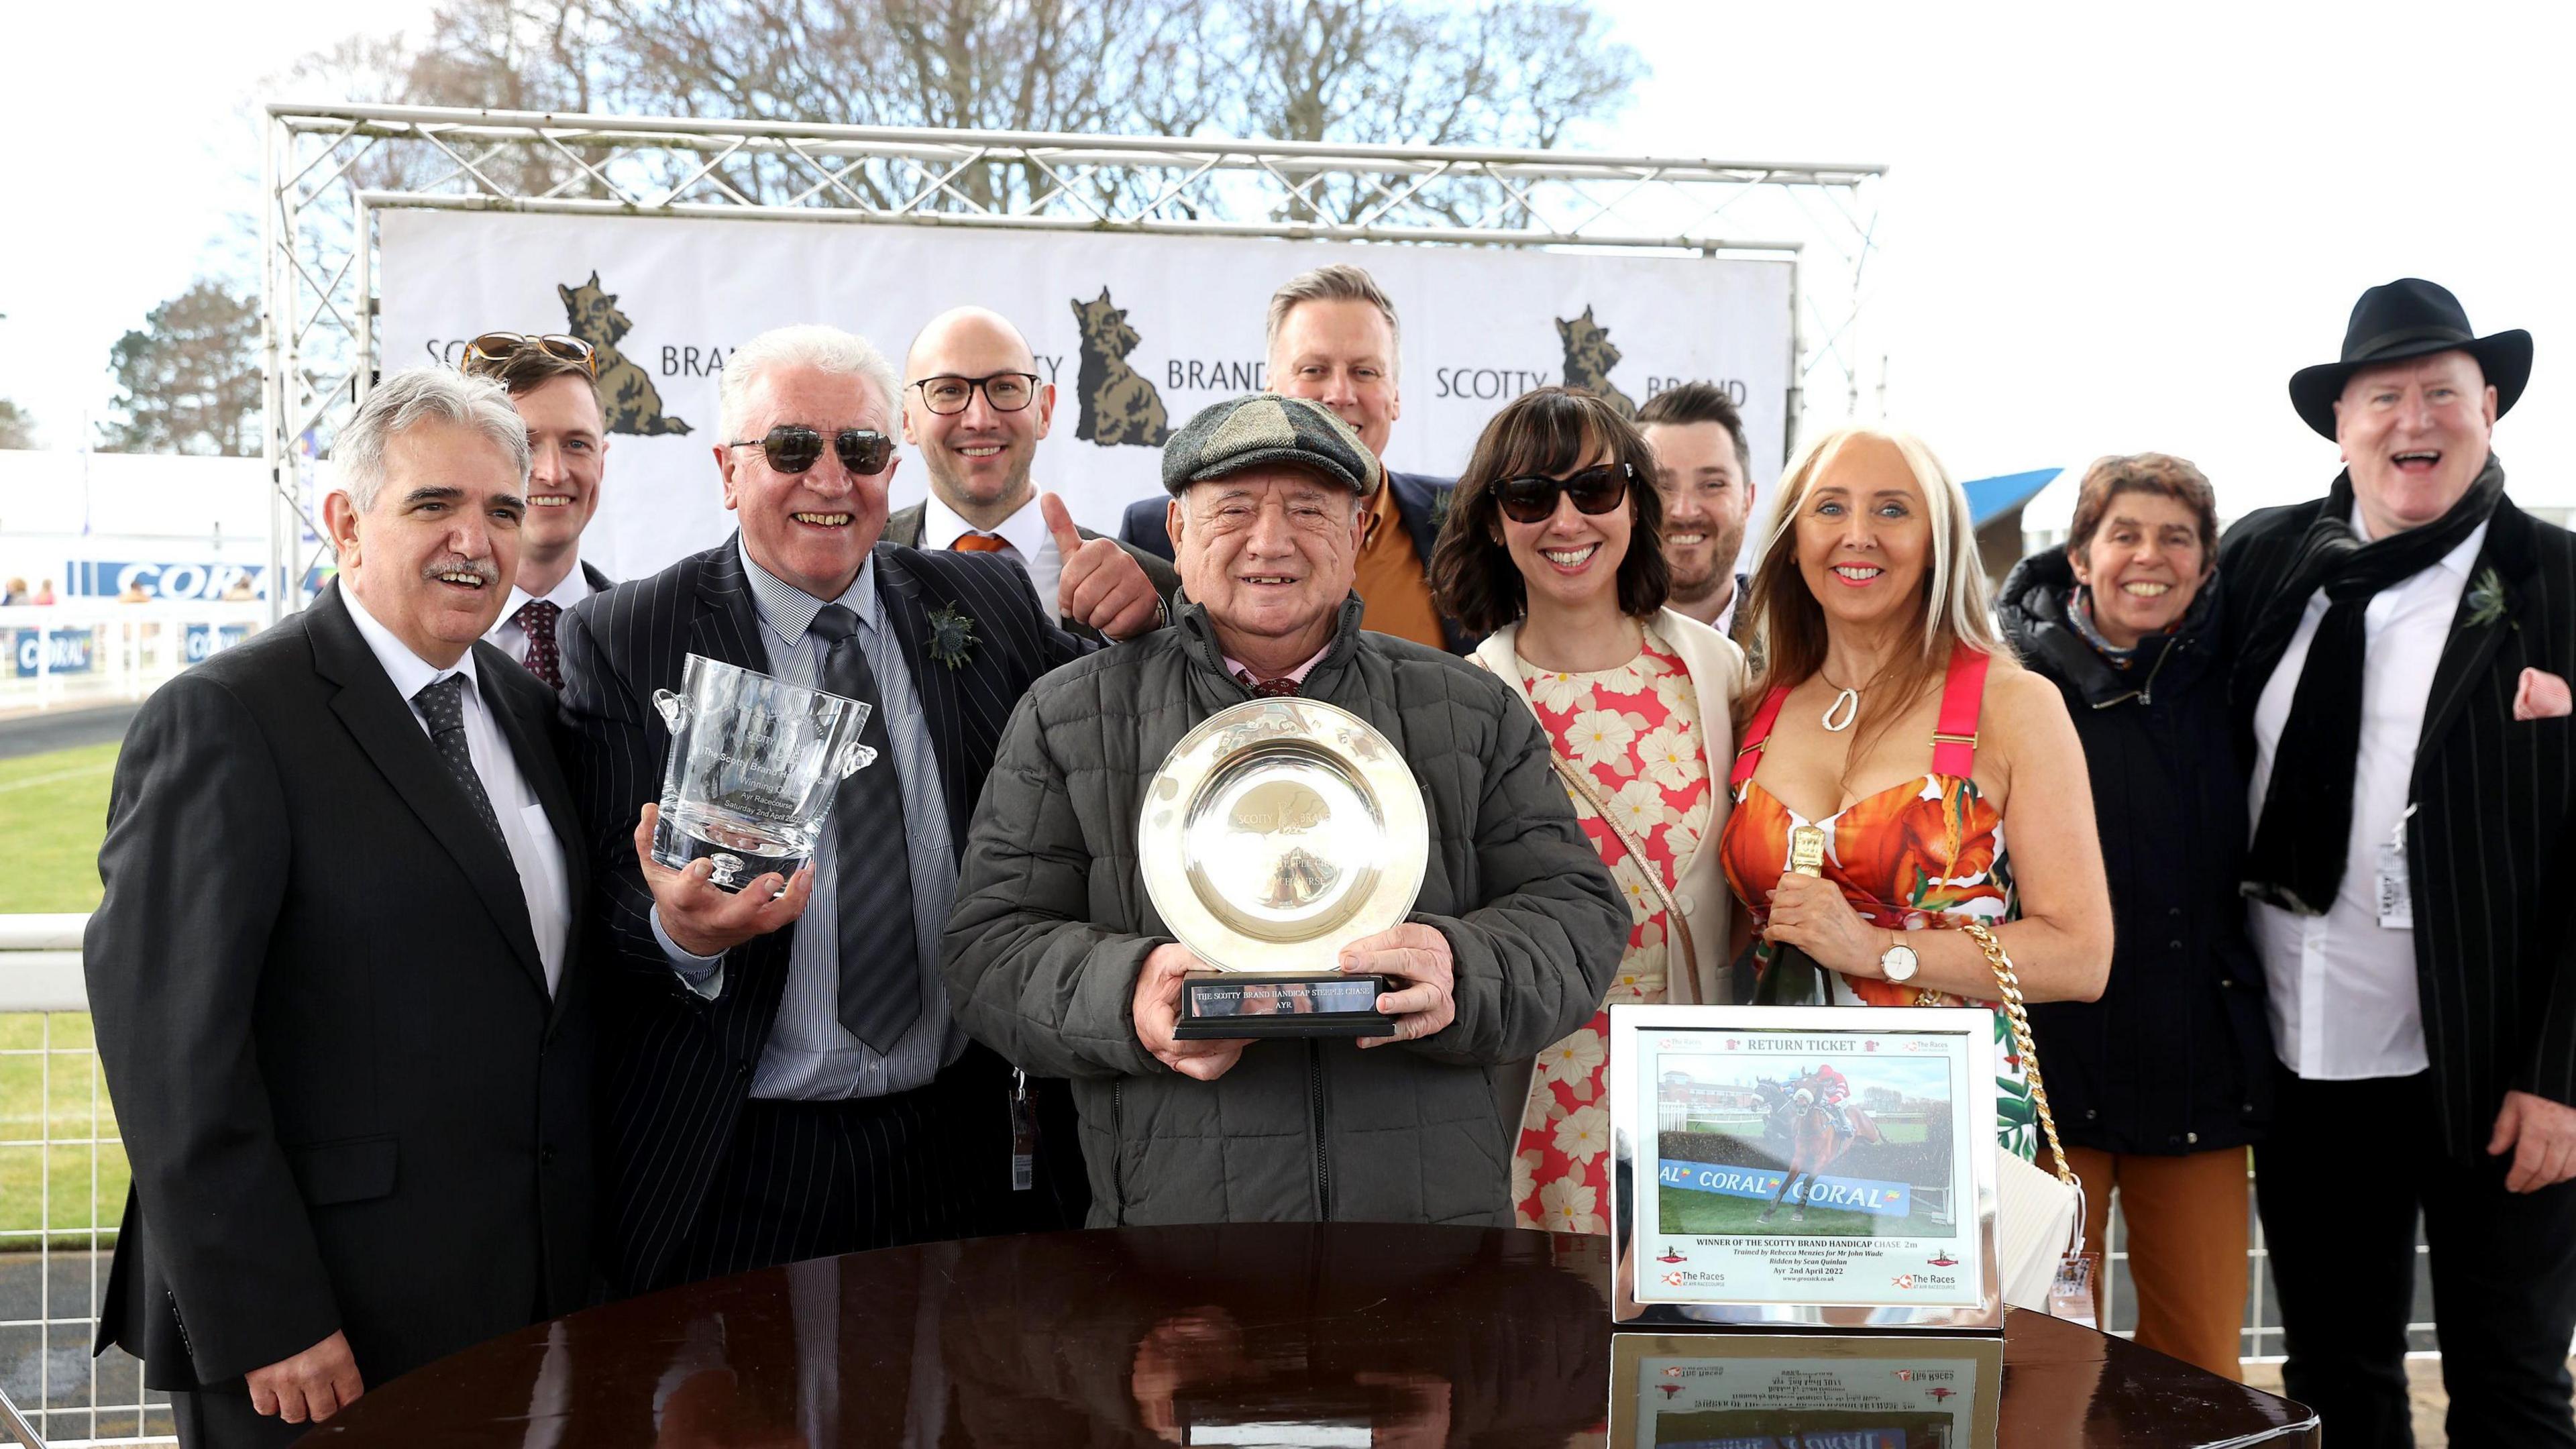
480 568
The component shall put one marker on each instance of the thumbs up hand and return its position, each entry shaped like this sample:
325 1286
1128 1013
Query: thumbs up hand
1099 584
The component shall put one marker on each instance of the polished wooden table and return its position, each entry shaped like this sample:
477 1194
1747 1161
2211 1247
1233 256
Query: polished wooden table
1243 1334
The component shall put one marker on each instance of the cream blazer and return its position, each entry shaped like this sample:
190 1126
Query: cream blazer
1717 674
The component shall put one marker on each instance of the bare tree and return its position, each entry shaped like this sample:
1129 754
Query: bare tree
188 380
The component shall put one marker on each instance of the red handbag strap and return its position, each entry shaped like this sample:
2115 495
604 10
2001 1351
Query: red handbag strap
1748 756
1963 696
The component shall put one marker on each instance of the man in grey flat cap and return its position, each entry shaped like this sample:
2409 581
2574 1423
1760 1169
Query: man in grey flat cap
1055 957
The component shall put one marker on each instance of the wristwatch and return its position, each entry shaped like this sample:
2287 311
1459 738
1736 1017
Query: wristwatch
1898 963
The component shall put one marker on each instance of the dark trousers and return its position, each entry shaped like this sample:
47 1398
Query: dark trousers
224 1419
813 1179
2340 1180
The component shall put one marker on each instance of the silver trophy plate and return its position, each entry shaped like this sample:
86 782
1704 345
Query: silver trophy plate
1279 831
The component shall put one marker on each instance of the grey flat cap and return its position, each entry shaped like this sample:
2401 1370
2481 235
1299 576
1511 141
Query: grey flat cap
1260 428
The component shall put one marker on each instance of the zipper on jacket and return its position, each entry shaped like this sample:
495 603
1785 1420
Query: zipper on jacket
1117 1154
2145 692
1315 1098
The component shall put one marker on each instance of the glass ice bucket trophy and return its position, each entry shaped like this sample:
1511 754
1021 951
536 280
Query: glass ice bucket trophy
753 763
1276 833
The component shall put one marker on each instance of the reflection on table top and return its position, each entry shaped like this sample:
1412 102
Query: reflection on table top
1352 1333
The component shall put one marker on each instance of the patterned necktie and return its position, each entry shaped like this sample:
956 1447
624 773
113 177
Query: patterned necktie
537 616
972 542
880 957
443 705
1266 688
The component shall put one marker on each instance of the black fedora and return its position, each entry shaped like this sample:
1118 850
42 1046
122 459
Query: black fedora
2409 317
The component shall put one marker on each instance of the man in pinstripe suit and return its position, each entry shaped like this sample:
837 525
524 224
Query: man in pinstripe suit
782 1078
2402 651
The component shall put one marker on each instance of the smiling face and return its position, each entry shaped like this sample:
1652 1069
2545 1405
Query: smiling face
811 529
1571 560
2144 564
1700 478
433 558
1864 535
979 459
1270 552
1341 353
2415 435
568 448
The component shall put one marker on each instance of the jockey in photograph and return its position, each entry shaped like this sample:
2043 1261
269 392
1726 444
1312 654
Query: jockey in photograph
1830 1089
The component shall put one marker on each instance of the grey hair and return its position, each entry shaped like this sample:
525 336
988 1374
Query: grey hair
1339 282
406 400
825 349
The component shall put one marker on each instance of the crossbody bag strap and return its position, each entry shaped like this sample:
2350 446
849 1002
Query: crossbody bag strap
1575 780
2017 1015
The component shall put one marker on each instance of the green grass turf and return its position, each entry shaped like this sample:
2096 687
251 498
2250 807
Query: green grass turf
54 808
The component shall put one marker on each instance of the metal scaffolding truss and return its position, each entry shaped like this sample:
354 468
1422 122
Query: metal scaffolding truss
328 168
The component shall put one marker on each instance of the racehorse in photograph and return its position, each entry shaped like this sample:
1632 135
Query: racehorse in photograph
1819 1134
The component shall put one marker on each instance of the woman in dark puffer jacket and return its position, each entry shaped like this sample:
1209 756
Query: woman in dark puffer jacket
2161 1084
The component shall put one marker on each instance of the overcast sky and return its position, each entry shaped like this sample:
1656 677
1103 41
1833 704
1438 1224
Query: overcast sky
2100 235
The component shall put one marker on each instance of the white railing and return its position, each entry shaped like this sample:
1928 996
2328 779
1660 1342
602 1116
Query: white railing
103 649
53 1258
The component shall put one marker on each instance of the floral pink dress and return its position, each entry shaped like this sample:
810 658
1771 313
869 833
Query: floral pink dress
1635 731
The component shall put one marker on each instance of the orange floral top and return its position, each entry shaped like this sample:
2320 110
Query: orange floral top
1926 854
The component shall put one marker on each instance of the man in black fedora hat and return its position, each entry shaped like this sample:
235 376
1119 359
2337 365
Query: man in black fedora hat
2402 650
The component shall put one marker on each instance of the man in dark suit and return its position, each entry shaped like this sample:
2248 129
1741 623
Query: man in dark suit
334 978
553 384
783 1079
1704 474
1334 338
2402 650
975 407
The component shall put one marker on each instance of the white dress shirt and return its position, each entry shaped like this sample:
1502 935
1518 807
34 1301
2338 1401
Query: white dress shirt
1029 544
2343 991
510 636
534 850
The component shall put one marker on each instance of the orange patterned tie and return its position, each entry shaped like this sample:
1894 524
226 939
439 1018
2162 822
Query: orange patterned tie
973 542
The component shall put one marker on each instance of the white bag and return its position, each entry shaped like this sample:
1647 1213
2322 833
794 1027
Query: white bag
2039 1219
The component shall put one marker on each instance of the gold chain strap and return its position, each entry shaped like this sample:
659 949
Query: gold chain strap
2008 985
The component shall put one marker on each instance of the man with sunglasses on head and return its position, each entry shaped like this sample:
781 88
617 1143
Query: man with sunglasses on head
974 405
782 1077
551 382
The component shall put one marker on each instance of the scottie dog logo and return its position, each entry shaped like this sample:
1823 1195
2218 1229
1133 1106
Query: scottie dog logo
626 392
1589 358
1118 406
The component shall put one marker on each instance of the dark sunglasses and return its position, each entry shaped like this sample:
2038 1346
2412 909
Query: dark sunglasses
1532 499
793 448
492 351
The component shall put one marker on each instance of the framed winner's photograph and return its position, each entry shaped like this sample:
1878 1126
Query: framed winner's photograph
1812 1167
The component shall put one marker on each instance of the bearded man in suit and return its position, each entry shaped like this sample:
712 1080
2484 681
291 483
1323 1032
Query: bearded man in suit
975 407
2402 649
782 1076
335 973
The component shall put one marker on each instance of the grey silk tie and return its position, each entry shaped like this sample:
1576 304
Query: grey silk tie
880 959
443 705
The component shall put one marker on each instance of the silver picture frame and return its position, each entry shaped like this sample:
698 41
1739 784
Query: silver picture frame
1689 1248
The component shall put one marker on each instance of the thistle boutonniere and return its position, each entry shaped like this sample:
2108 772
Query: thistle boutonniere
2486 599
1440 501
952 636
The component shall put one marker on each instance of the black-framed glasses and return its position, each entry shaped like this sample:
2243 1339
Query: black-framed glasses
794 447
1532 498
1008 392
492 351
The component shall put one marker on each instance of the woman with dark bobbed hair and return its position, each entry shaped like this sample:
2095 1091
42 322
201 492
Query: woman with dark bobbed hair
1552 549
2162 1083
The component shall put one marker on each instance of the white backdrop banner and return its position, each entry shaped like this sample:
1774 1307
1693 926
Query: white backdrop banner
1136 333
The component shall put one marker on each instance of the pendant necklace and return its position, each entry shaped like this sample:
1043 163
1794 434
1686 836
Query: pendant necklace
1846 704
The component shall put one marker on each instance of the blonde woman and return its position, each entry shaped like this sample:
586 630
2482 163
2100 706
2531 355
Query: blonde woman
1890 715
1551 549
